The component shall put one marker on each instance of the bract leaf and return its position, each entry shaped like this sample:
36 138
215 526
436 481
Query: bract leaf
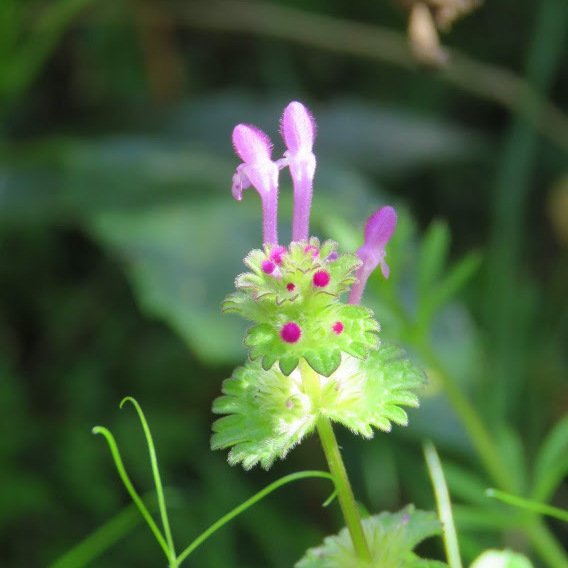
300 285
268 411
372 391
268 414
324 361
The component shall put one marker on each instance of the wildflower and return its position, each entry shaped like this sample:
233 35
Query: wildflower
310 354
254 147
299 130
378 232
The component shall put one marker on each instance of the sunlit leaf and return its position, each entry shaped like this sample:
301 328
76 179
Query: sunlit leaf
391 537
268 412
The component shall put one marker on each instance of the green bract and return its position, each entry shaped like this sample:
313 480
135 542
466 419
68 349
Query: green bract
391 538
300 286
268 413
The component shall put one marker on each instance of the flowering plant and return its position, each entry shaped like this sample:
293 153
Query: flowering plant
315 357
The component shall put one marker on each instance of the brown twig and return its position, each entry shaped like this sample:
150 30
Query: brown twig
380 44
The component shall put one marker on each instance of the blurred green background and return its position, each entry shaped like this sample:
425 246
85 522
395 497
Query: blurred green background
119 238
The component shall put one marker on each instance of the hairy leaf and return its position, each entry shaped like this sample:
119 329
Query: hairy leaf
268 411
391 538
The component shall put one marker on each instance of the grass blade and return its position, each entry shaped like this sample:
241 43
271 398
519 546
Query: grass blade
444 505
528 504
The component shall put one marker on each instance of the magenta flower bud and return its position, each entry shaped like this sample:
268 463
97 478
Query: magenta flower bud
276 254
268 266
378 232
337 327
299 131
321 279
254 148
333 256
312 250
290 332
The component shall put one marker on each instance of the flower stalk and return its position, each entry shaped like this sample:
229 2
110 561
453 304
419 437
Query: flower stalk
344 492
310 380
312 358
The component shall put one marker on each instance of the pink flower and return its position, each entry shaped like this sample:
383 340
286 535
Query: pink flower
298 129
254 147
378 232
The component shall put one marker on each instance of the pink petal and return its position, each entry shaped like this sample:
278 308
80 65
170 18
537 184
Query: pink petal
251 144
240 182
298 128
380 227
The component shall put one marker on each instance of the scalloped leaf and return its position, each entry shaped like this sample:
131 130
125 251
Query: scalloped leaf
324 361
342 271
372 394
319 344
291 294
268 414
288 364
241 302
291 279
391 538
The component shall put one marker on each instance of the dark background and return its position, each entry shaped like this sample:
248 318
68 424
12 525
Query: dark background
119 238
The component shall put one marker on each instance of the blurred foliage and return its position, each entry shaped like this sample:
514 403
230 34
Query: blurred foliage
119 239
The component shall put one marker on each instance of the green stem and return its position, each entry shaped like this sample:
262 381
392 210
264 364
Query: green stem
528 504
130 488
310 380
344 491
248 503
157 480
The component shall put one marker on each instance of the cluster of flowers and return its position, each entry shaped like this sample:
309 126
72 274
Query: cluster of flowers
300 324
258 170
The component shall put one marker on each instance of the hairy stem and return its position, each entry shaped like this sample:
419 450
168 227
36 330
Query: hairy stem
344 491
269 216
336 466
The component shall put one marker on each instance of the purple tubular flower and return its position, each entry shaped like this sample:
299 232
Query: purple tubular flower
298 129
378 232
254 148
